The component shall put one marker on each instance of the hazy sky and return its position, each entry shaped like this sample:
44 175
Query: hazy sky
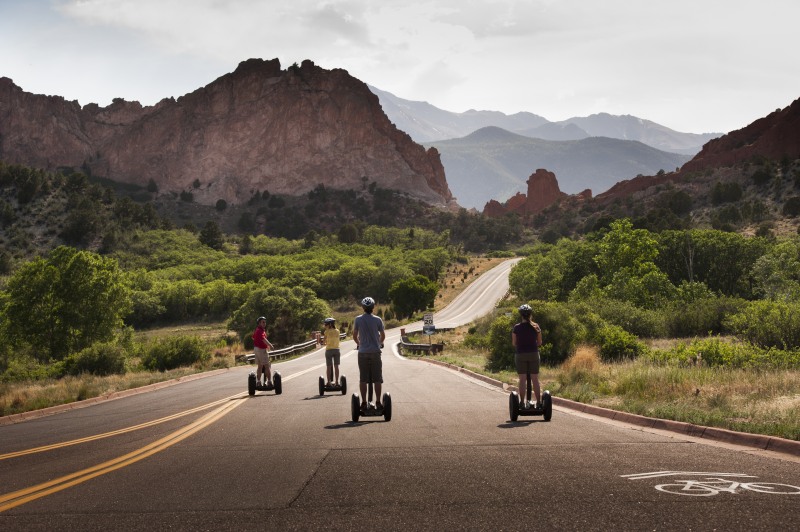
692 65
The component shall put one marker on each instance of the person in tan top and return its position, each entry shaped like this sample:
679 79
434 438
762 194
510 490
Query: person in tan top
332 353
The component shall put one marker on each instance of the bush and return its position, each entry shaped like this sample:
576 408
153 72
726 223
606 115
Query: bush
644 323
501 351
562 329
97 359
715 352
618 344
174 352
701 317
768 324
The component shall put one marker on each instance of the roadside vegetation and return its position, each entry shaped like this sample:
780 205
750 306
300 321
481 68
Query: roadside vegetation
696 324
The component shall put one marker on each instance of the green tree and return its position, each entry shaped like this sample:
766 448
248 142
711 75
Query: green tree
413 294
291 312
212 236
66 302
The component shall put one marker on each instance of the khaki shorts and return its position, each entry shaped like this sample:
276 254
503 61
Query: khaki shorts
262 356
525 360
332 357
367 361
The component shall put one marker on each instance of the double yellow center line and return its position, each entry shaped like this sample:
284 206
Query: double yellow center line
17 498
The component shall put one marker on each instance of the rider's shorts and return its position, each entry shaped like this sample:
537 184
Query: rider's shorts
262 356
332 357
523 361
367 361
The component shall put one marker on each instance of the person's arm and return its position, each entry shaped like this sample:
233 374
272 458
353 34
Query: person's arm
355 334
538 334
383 336
514 339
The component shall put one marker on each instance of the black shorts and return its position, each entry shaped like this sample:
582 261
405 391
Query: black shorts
523 361
367 361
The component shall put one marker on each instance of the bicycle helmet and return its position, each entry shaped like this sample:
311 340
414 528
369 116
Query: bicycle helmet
368 303
525 311
328 321
260 318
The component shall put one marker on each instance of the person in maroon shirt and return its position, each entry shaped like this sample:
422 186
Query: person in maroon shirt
526 337
261 347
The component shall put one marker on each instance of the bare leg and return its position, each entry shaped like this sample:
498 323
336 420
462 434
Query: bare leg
268 373
330 374
337 374
536 388
363 387
523 388
378 395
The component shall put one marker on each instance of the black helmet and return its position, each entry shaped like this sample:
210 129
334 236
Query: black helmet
329 321
368 303
525 310
260 318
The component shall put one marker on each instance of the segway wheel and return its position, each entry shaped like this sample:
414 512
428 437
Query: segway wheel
276 380
343 382
513 406
387 407
251 384
547 405
321 386
355 407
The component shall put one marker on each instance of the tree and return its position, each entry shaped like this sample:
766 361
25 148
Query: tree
221 205
212 236
291 312
66 302
412 294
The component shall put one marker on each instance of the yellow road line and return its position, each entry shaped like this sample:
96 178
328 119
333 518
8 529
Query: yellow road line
115 432
17 498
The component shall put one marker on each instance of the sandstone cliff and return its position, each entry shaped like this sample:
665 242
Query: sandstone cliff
543 191
258 128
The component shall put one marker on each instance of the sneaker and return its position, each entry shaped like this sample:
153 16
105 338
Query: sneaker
379 408
363 409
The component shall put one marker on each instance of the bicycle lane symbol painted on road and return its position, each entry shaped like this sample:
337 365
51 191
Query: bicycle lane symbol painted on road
712 483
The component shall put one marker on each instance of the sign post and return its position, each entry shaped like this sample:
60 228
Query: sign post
427 325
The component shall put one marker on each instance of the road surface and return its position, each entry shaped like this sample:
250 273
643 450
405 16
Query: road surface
203 455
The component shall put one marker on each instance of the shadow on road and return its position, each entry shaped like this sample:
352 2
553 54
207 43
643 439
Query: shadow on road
349 424
516 424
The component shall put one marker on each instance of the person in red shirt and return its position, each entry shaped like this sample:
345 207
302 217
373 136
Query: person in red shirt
261 347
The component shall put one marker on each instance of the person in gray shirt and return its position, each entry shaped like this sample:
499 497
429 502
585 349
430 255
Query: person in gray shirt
369 335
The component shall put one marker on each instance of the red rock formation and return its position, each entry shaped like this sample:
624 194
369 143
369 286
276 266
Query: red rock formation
774 136
543 191
258 128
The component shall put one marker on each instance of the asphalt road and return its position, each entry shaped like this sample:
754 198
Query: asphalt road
203 455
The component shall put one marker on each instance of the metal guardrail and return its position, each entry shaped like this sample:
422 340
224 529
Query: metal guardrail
277 354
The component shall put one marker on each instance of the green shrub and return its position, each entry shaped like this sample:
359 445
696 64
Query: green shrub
501 351
644 323
715 352
618 344
174 352
768 324
701 317
562 329
97 359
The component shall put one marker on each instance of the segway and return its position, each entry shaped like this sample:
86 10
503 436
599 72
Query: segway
334 386
372 411
253 385
545 408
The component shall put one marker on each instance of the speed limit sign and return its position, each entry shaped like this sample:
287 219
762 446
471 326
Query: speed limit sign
427 318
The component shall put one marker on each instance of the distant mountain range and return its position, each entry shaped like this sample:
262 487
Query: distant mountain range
490 155
493 163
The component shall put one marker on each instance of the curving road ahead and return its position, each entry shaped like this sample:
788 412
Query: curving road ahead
203 455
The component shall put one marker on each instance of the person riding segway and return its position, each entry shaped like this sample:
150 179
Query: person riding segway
526 336
369 335
332 357
261 348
